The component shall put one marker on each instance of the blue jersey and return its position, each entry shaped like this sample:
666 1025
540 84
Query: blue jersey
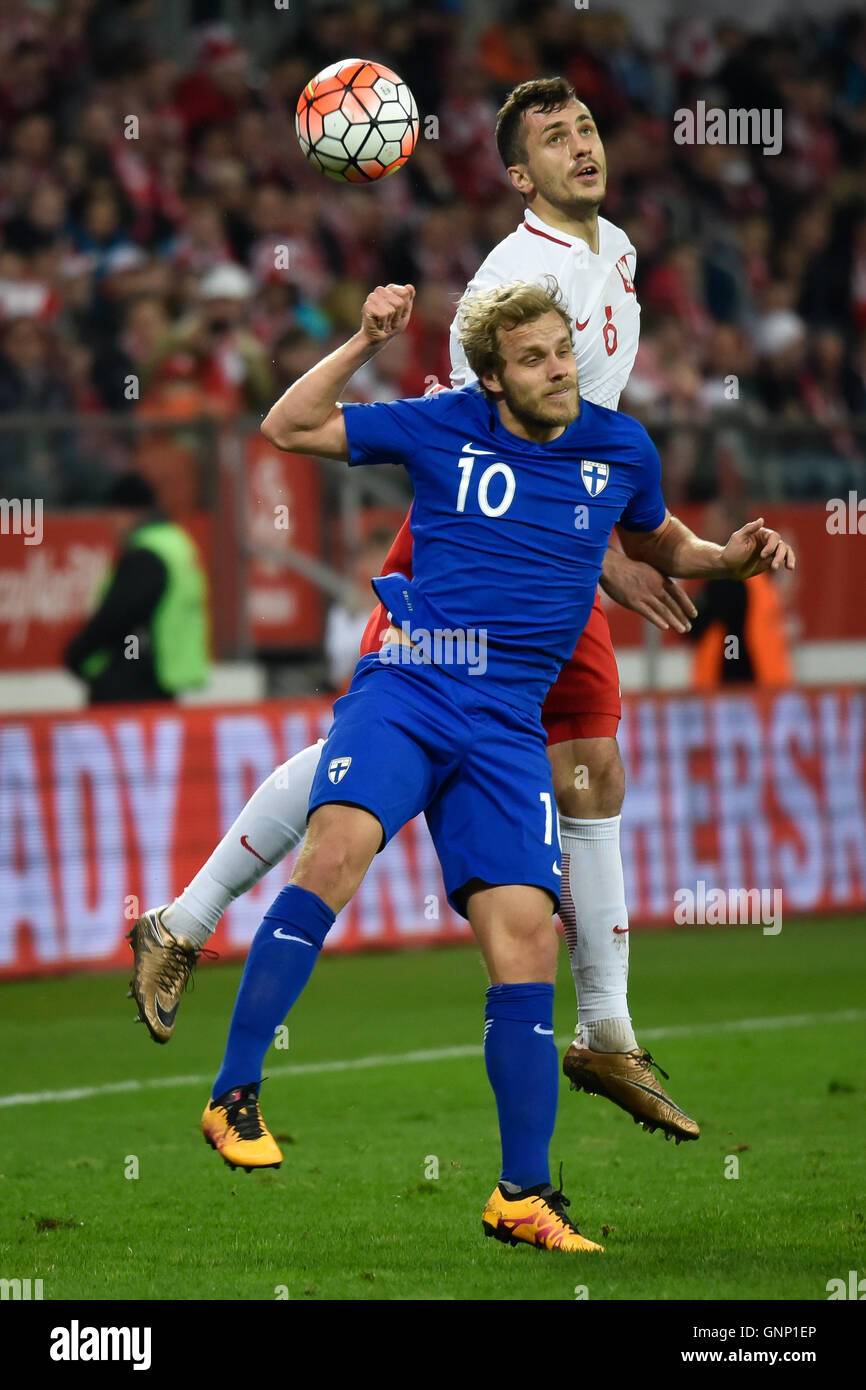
508 535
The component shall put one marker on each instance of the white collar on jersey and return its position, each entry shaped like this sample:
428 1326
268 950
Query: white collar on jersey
533 224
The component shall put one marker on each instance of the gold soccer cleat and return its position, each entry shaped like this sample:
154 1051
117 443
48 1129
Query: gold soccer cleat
162 970
626 1078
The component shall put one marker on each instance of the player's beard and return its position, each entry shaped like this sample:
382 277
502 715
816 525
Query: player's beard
577 204
533 412
573 200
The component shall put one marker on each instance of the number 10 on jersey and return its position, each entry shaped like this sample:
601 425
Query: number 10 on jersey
493 470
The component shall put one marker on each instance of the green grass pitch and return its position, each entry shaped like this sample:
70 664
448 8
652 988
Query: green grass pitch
763 1038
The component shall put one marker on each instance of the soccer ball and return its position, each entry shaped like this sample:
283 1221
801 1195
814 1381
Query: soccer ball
357 121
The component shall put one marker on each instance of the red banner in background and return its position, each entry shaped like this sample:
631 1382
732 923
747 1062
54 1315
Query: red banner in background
283 506
831 570
103 814
47 591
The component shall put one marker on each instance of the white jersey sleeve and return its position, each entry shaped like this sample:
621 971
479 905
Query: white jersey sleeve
598 289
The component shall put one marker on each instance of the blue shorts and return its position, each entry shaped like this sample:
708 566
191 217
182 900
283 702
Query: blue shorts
409 738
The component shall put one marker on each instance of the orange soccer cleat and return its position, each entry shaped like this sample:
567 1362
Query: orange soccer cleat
233 1125
535 1216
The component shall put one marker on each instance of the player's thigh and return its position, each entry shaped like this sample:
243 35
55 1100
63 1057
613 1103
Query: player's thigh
513 925
388 748
588 777
340 845
494 819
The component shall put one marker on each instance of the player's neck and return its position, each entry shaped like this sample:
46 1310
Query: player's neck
583 225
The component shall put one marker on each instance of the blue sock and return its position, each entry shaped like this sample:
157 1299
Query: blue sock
523 1067
280 962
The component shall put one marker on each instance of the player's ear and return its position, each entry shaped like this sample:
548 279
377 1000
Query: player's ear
490 381
519 176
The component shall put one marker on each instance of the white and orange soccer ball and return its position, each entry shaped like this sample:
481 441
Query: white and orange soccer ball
357 121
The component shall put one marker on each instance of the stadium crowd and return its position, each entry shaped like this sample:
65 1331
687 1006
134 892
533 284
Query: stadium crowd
145 205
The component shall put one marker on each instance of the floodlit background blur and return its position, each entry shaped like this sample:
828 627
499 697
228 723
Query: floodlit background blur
151 183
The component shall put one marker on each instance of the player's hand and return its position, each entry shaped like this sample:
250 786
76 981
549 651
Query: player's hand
754 549
644 590
386 312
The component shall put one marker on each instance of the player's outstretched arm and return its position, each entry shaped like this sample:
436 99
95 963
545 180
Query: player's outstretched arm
307 419
675 550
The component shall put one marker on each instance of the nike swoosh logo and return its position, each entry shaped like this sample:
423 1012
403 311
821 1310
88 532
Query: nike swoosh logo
246 844
666 1100
622 931
557 869
548 1032
580 326
166 1017
285 936
470 449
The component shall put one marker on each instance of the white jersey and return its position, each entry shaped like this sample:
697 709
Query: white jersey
599 294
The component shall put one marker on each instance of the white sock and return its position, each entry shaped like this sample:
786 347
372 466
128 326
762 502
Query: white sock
271 824
595 919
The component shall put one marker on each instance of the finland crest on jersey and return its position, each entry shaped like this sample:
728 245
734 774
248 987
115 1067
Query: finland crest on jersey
337 769
594 476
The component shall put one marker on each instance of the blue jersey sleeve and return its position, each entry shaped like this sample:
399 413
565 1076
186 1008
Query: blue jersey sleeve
387 432
645 509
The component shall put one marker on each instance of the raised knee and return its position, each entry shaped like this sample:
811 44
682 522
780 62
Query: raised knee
334 860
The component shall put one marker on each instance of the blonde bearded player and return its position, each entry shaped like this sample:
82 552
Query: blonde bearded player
555 159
